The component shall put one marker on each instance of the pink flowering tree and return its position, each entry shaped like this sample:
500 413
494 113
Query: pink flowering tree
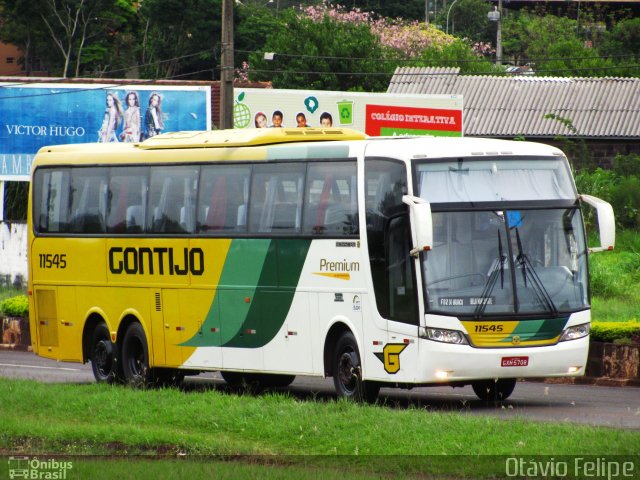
333 48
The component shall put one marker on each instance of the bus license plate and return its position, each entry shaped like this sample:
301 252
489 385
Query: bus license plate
515 361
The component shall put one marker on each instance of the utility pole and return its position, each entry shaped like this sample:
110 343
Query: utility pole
496 16
226 70
499 36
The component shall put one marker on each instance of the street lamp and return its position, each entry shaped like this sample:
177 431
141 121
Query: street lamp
448 12
496 16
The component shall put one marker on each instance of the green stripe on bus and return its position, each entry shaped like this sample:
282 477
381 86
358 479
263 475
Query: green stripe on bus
240 276
270 306
533 330
255 293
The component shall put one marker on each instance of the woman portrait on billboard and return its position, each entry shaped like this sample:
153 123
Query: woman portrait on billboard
111 120
131 128
153 117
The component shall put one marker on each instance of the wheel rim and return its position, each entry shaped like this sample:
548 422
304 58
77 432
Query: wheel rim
103 358
136 360
347 368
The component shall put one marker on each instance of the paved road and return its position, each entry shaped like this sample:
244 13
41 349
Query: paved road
592 405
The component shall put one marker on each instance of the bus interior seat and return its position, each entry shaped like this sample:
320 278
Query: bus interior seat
335 218
91 221
187 218
135 219
284 216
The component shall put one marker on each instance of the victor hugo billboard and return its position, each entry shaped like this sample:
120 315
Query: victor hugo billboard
39 114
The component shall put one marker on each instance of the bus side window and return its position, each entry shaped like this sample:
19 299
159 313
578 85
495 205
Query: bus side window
51 204
222 204
88 200
276 198
393 276
172 194
331 197
126 199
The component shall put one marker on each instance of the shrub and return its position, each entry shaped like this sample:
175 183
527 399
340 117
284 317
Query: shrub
615 331
15 306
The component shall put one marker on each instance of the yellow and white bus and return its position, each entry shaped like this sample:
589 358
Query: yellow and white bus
267 254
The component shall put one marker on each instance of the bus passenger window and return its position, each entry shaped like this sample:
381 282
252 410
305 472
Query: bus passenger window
331 206
276 198
222 204
172 193
88 200
126 199
51 200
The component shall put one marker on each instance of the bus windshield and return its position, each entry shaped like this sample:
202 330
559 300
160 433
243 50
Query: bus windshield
504 262
497 250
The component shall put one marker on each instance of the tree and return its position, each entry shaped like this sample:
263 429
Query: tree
180 38
624 38
323 54
73 23
82 32
20 26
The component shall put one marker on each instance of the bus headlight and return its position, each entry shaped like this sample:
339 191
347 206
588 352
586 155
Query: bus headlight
573 333
446 336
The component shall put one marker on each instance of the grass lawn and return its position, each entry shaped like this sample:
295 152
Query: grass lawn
277 430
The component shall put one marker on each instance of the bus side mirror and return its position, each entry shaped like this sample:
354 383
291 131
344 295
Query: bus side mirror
421 224
606 223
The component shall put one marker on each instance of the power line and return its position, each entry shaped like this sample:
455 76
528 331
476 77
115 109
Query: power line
124 69
439 74
413 60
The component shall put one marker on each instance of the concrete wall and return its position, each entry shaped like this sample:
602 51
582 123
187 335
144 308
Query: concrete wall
13 254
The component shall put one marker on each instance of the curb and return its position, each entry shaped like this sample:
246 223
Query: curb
597 381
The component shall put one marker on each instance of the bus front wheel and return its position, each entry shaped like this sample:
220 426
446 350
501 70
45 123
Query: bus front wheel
103 358
494 390
135 357
347 372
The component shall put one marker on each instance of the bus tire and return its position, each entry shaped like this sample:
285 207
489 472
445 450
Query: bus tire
103 356
135 357
347 372
494 390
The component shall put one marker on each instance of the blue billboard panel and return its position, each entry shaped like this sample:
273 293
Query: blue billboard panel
36 115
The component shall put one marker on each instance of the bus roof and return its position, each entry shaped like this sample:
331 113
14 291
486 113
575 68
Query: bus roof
248 137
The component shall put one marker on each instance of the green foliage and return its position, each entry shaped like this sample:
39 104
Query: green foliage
15 201
620 187
623 38
15 306
456 54
323 55
612 331
180 37
468 19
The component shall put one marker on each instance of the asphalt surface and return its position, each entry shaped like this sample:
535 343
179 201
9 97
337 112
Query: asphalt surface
617 407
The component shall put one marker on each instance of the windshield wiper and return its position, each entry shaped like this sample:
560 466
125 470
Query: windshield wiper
497 267
524 262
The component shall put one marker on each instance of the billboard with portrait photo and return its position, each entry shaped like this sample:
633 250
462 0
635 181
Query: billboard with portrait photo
40 114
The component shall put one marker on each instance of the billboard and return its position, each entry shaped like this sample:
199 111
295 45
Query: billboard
377 114
39 114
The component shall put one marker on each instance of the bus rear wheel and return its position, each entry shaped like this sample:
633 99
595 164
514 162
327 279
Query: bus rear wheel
494 390
347 372
135 357
103 357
